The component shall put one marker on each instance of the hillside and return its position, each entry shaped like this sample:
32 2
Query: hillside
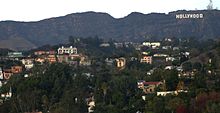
135 27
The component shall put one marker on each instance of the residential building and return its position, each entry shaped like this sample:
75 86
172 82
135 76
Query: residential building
1 74
15 54
63 58
91 104
166 47
67 50
161 55
40 60
104 45
169 67
153 45
34 112
175 48
170 59
1 84
146 59
85 62
145 53
118 45
28 63
171 92
51 58
120 62
109 61
7 95
149 87
7 73
16 69
39 52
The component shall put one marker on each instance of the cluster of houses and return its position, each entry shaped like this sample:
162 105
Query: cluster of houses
63 54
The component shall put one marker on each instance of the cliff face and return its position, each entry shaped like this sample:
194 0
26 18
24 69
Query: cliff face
135 26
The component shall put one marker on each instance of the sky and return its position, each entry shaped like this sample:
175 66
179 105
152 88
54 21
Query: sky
35 10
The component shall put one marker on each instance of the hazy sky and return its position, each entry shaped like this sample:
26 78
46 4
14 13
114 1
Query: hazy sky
33 10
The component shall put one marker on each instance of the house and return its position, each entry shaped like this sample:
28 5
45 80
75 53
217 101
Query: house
40 52
170 59
34 112
51 52
51 58
118 45
67 50
179 68
1 74
84 61
166 47
149 87
63 58
187 74
175 48
40 60
104 45
109 61
28 63
153 45
161 55
7 73
7 95
168 39
146 59
15 54
1 84
16 69
90 104
120 62
169 67
164 93
145 53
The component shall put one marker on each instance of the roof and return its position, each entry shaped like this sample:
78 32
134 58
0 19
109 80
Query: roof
151 83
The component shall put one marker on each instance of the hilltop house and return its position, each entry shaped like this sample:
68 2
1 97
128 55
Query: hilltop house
7 73
28 63
146 59
153 45
1 74
120 62
16 69
42 52
148 87
67 50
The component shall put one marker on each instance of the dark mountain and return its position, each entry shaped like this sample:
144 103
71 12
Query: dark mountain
135 26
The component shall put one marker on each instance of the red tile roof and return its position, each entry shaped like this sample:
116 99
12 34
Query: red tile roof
151 83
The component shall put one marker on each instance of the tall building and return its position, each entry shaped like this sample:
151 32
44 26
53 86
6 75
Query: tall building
67 50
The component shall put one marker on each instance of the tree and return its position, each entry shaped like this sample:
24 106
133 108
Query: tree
187 66
174 103
197 66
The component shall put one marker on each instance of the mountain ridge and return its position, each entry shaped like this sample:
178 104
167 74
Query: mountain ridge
133 27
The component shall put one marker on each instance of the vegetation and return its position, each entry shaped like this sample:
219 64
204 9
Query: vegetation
63 88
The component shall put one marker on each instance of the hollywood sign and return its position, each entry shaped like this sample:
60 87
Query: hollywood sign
189 16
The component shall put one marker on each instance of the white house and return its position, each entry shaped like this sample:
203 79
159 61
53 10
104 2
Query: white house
67 50
1 74
28 63
151 44
170 59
